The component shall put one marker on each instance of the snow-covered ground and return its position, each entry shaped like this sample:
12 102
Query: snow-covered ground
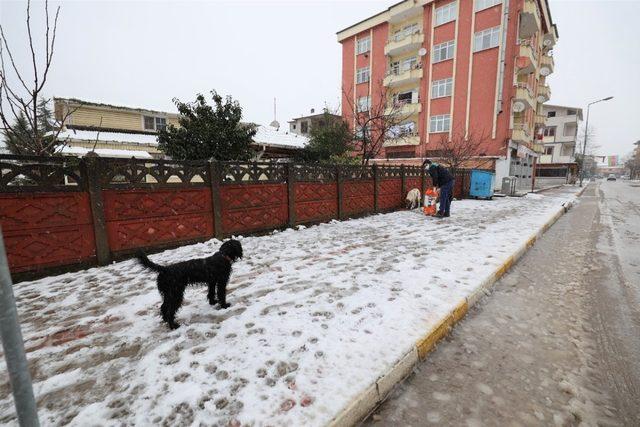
317 314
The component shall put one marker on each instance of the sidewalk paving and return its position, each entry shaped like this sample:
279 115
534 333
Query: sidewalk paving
316 316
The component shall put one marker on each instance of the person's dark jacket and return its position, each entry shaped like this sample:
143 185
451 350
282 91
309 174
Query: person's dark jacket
439 175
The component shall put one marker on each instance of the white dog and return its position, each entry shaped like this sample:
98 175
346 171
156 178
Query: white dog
413 199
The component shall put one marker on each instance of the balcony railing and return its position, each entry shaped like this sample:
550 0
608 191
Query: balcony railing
401 43
521 133
529 19
546 65
397 75
406 108
527 61
524 95
544 93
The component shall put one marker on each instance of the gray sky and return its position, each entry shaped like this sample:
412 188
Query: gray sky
145 53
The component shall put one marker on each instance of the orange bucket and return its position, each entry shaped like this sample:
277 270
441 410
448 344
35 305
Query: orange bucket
429 207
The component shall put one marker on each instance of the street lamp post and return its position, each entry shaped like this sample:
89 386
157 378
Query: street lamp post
586 135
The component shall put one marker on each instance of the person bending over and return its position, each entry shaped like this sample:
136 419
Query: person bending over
442 181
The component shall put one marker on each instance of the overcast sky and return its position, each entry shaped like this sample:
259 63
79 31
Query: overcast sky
143 54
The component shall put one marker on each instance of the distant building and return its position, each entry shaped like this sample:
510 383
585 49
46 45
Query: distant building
119 131
560 133
302 125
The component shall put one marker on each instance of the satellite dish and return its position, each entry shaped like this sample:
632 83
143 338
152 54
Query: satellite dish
545 71
518 106
541 99
422 51
547 42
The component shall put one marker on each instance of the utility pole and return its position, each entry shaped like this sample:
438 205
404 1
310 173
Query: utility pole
13 346
586 135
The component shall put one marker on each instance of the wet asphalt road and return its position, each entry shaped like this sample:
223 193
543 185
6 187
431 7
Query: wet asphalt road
557 342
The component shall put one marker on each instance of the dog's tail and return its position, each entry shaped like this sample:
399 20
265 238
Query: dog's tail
148 263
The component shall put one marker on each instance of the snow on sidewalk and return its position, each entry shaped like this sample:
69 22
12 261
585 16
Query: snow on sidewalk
316 316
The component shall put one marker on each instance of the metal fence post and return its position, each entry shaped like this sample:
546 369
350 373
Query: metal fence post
291 202
215 173
13 346
340 185
376 180
403 180
91 168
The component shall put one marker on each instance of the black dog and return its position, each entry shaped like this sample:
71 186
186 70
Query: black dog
214 271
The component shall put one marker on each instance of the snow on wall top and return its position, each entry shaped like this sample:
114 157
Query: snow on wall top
117 137
267 135
106 152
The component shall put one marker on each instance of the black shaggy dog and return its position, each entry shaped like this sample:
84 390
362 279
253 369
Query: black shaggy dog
214 271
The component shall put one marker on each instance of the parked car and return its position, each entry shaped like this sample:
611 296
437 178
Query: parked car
611 177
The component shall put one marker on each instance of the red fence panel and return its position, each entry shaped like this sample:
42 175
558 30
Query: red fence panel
413 183
315 201
390 194
46 229
357 197
143 218
253 207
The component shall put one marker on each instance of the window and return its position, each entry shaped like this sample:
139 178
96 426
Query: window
409 64
293 126
363 45
440 123
441 88
362 75
569 129
149 123
551 114
359 131
402 130
550 131
486 39
400 154
443 51
571 112
394 68
567 150
548 151
446 13
364 103
161 123
485 4
304 127
154 123
406 32
406 97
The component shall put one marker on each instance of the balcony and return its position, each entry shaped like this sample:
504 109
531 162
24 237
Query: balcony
404 43
529 19
546 65
544 93
398 77
549 40
413 139
523 99
526 61
521 133
403 11
405 109
540 119
538 148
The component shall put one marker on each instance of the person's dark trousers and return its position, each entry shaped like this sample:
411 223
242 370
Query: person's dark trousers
446 195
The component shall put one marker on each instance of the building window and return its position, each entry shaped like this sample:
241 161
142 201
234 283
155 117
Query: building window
446 13
161 123
441 88
571 112
569 129
486 4
154 123
409 64
550 131
402 130
363 45
304 127
362 75
400 154
486 39
440 123
567 150
443 51
293 126
149 123
364 103
551 114
406 97
548 151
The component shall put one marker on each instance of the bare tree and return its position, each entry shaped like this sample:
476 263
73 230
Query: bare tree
584 155
377 121
460 150
23 109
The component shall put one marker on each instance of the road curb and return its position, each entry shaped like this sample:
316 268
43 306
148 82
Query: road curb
367 401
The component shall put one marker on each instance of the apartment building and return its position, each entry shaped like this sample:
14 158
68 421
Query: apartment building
119 131
462 67
560 133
